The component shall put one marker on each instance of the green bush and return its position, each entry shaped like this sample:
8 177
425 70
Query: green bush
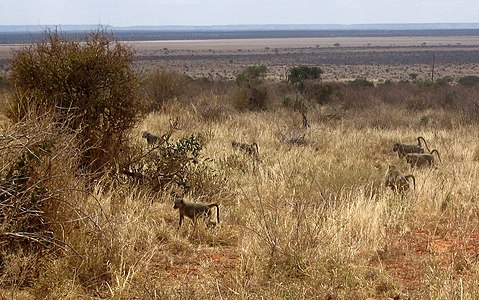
469 80
252 75
166 163
251 92
90 83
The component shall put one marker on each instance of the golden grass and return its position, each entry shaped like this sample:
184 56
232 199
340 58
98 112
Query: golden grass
314 220
310 221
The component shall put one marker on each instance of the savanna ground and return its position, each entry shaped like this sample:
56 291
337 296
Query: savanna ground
311 219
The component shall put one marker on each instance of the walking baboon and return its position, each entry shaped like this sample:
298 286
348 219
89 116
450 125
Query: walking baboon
195 210
250 149
422 159
403 149
151 139
396 181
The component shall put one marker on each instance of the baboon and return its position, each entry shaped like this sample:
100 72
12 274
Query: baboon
403 149
396 181
195 210
305 120
422 159
250 149
151 139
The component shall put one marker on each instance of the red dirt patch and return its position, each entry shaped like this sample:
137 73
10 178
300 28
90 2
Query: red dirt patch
434 244
200 263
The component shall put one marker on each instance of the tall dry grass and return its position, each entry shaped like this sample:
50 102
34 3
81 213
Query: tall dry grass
311 220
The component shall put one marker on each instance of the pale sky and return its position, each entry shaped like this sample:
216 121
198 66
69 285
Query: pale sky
233 12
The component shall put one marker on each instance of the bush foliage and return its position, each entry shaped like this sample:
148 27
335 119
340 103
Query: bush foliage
163 85
299 75
90 83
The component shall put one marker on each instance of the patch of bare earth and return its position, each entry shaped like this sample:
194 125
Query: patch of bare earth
199 264
435 244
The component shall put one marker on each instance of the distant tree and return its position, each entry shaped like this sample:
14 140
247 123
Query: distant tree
251 92
299 75
252 75
337 45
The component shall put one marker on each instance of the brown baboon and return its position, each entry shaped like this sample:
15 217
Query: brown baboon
250 149
151 139
195 210
422 159
305 120
403 149
396 181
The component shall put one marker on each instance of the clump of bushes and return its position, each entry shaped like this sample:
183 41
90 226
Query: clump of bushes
251 92
91 84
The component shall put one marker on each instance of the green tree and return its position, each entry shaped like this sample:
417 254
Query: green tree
299 75
91 83
251 92
252 75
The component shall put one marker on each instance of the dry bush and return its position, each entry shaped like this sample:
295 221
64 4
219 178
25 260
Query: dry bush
40 193
321 93
251 98
91 84
212 107
164 85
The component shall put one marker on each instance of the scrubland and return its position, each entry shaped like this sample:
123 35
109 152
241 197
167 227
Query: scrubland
310 220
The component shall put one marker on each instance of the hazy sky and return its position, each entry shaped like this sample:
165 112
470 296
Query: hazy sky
221 12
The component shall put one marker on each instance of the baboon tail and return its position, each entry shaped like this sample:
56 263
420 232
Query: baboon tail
437 152
419 138
217 211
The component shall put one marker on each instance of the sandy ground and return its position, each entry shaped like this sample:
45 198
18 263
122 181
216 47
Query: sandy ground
255 44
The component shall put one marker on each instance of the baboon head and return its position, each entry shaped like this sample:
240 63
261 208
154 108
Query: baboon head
178 203
396 147
145 134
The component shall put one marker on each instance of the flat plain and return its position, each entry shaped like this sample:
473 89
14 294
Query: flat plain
342 58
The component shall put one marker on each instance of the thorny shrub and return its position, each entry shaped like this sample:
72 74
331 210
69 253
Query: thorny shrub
172 162
91 84
38 187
